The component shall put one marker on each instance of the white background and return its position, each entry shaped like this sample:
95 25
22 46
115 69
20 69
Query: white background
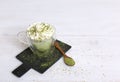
91 27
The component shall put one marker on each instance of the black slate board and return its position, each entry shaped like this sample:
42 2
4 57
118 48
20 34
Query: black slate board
40 64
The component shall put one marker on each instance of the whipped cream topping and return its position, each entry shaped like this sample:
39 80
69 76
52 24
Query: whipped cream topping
40 31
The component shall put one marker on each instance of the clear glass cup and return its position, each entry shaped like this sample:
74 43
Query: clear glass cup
39 48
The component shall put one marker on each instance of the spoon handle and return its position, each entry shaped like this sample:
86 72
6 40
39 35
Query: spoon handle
59 48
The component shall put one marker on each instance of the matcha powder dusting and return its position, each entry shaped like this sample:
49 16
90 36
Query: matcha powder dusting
69 61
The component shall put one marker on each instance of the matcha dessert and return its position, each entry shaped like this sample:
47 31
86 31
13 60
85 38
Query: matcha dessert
40 36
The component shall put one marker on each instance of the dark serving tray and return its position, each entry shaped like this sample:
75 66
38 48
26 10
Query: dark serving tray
37 63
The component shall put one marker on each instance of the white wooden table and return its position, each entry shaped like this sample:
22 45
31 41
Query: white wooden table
91 27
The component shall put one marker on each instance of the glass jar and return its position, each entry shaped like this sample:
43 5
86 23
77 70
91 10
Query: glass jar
40 37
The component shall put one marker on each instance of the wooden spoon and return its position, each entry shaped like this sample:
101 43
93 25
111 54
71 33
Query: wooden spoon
68 60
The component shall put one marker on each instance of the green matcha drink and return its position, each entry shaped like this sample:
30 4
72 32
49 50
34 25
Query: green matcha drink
40 37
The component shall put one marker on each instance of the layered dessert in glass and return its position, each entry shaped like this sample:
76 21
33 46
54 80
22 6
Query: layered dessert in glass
41 37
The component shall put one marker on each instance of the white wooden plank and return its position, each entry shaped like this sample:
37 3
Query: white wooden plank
91 27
